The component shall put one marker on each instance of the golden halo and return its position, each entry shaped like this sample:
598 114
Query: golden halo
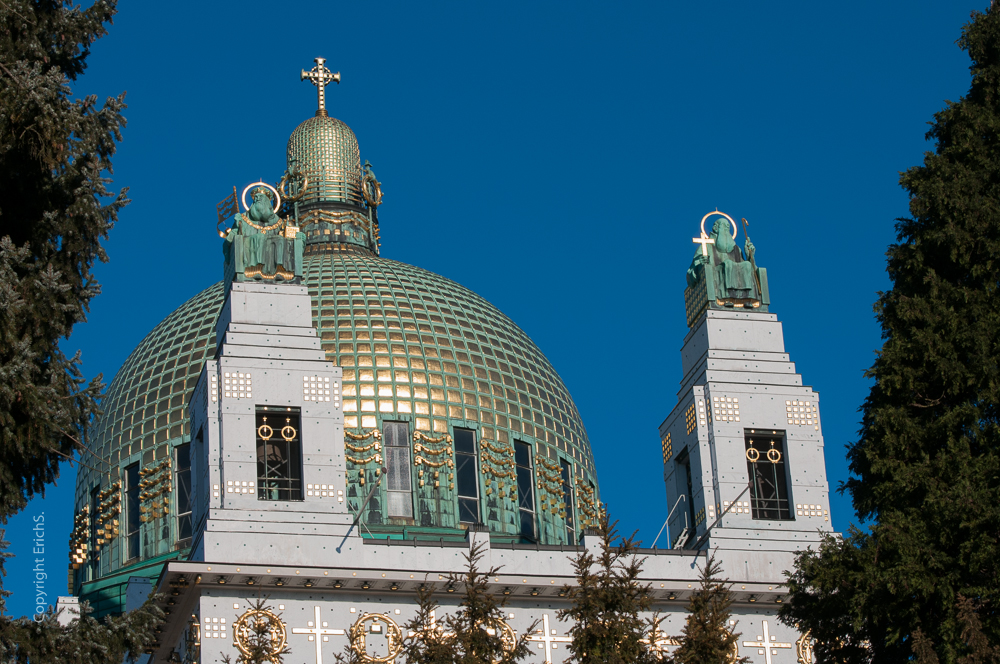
721 214
277 196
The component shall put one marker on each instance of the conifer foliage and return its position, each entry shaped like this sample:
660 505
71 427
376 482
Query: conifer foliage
473 634
708 637
607 603
55 155
83 640
926 467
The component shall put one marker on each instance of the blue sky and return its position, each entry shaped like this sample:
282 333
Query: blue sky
556 158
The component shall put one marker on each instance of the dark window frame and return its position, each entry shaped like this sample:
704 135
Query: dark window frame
767 470
279 453
566 472
182 493
396 442
132 549
524 452
466 476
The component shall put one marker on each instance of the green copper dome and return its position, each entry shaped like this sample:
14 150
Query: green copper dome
415 347
425 362
326 151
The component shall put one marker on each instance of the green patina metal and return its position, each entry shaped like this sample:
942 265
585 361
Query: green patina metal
415 347
260 246
720 277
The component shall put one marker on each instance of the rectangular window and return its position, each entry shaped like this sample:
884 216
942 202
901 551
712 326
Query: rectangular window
567 481
467 475
182 491
279 454
768 480
132 512
398 478
525 489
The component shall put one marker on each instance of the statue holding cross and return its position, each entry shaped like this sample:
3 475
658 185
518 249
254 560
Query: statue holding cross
729 277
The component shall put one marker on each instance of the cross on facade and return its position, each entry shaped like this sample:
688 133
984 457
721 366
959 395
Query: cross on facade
547 638
320 76
766 645
704 241
314 630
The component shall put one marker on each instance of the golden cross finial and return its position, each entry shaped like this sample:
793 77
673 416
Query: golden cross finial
320 76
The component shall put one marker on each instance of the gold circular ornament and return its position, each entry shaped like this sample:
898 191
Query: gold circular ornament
508 638
371 189
721 214
288 432
265 431
773 455
245 626
375 623
752 454
804 648
277 196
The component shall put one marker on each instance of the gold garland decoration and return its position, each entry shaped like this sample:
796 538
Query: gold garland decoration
542 461
497 449
418 460
418 436
256 271
417 447
361 436
363 448
377 458
495 461
262 229
499 473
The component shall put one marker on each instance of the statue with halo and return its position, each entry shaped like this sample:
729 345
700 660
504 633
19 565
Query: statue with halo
720 275
260 245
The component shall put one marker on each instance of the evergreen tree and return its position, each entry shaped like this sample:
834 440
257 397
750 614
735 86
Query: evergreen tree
259 641
607 601
926 467
430 643
83 640
707 638
471 635
55 154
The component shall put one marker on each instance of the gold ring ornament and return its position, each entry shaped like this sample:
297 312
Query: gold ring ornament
284 183
288 432
752 454
261 431
277 196
773 455
721 214
374 623
508 638
804 648
246 626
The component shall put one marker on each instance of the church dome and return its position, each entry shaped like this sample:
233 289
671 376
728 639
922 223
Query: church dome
325 150
414 346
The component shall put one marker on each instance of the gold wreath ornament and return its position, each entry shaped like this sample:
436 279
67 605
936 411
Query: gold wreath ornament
752 454
244 627
374 623
773 455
